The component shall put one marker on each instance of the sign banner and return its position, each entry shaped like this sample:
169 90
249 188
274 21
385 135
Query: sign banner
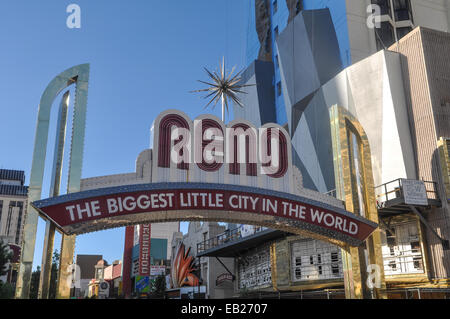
142 284
224 277
144 249
157 270
92 210
414 192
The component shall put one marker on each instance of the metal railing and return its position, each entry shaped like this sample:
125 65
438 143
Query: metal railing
332 193
224 238
394 189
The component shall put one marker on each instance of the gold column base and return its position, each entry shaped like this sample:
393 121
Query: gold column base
65 267
46 268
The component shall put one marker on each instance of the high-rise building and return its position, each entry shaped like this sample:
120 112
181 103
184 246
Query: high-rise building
349 18
13 199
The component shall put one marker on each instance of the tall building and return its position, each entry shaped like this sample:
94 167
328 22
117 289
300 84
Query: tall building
426 75
13 200
320 59
356 41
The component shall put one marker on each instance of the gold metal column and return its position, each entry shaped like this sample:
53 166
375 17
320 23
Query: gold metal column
47 254
65 269
346 130
49 237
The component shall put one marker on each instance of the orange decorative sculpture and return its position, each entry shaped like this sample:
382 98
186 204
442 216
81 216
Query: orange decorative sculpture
182 268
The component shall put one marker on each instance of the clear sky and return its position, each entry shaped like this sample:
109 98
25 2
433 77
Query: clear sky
145 57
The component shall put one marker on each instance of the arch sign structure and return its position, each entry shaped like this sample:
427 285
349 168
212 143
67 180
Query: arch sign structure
202 170
197 169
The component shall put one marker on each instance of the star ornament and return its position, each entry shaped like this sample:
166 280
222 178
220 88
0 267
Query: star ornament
223 87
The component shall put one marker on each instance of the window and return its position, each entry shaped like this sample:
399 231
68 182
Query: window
1 207
205 236
384 5
384 35
19 222
402 10
401 32
279 88
277 62
8 221
254 269
315 260
402 252
275 6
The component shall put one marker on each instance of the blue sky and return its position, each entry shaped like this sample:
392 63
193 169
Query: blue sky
145 57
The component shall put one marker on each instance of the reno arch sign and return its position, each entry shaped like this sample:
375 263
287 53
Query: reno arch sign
205 150
204 170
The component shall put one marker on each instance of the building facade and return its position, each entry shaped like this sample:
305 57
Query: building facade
13 200
426 74
349 19
86 267
212 270
400 97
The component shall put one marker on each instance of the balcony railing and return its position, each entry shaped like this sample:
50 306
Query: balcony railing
392 192
224 238
332 193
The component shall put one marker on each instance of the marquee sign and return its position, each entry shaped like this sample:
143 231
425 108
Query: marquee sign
160 202
206 170
207 150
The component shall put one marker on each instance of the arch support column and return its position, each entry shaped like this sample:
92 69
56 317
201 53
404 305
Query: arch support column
363 265
78 75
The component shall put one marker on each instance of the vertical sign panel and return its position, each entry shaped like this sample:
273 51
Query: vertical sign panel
144 249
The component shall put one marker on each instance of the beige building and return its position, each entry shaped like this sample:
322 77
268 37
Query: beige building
13 203
426 74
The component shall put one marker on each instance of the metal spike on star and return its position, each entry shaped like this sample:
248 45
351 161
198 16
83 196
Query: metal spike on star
223 87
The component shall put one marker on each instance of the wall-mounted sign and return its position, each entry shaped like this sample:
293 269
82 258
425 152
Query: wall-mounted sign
157 270
144 249
414 192
224 277
103 289
142 284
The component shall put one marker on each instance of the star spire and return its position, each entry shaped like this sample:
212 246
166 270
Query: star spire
223 87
